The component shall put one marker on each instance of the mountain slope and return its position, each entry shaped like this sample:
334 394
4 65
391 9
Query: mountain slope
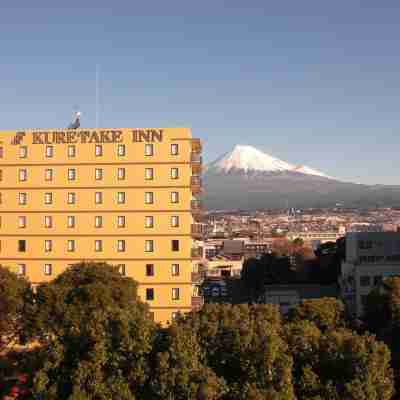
247 178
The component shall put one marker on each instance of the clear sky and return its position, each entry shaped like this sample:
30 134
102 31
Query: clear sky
315 82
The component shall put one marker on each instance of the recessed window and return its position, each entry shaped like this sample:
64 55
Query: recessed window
98 245
174 173
149 221
71 198
149 197
149 246
1 174
48 198
98 221
48 245
21 269
149 174
175 197
174 221
122 269
121 221
98 150
149 269
71 174
175 269
148 149
71 221
48 221
98 174
22 175
121 245
149 294
174 149
48 269
23 152
48 174
365 280
71 151
1 152
121 149
22 245
175 245
22 197
49 151
121 173
71 245
121 197
175 293
22 222
174 316
98 197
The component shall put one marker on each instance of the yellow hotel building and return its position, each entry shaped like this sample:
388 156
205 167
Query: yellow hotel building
122 196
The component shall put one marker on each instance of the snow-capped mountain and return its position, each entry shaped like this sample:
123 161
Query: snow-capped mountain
247 178
248 159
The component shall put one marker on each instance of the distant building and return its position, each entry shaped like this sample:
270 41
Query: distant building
370 257
321 237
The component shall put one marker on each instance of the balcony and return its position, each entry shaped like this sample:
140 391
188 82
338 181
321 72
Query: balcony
198 231
195 184
196 146
196 162
196 253
196 206
196 277
197 302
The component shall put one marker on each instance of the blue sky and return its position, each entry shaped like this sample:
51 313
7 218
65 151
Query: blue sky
312 82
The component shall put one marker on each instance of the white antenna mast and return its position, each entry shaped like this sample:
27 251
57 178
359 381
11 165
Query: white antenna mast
97 95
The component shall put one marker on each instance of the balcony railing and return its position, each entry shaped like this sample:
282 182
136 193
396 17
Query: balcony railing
197 302
198 231
195 205
196 158
195 253
196 277
196 146
195 184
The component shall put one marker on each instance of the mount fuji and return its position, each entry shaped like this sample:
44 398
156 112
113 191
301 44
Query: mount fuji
247 178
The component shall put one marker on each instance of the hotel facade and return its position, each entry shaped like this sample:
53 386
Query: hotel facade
122 196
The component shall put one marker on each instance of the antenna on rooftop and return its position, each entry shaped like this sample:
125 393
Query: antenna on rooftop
76 119
97 94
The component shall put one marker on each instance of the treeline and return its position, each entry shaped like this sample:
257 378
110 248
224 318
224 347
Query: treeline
95 340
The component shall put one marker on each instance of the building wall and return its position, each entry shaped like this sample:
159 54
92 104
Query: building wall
132 182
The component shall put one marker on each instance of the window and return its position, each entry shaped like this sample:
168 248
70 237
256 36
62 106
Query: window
122 269
121 149
71 174
48 174
22 198
174 197
149 197
121 197
174 173
21 269
22 175
149 221
121 245
99 150
98 245
49 151
98 198
175 293
377 280
23 152
121 174
174 316
98 221
175 245
48 221
121 221
70 221
148 149
174 149
22 222
149 246
48 198
71 198
365 281
175 269
48 245
48 269
22 245
98 174
174 221
149 174
71 245
149 269
149 294
1 152
71 151
1 174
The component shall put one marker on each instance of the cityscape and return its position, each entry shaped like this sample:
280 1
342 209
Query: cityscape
184 236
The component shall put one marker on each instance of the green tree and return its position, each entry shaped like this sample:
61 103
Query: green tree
96 334
327 313
243 345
